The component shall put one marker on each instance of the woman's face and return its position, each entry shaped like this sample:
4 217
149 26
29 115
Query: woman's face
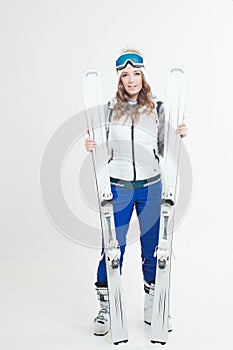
131 79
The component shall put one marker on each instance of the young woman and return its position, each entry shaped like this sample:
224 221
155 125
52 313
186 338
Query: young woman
135 142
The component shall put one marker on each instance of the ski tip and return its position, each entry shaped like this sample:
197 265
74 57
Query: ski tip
158 342
121 341
177 69
91 72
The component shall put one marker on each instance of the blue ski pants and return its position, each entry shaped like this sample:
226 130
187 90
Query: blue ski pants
147 203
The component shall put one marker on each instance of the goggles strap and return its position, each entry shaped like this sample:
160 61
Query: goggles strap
142 69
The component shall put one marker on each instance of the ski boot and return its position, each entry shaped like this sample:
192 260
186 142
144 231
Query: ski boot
148 305
148 302
102 321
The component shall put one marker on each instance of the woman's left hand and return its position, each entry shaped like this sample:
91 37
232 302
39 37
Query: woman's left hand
182 130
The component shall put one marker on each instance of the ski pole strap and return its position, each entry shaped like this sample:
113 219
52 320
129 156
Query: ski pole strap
135 185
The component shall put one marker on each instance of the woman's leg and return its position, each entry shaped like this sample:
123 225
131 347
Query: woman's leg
123 207
148 204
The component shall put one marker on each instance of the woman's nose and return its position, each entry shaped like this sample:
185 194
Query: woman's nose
131 77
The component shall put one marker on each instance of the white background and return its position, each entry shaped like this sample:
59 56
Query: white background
46 292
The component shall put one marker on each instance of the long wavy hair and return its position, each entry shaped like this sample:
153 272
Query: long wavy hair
144 100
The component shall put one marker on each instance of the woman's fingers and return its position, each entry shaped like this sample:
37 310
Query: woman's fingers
90 144
182 130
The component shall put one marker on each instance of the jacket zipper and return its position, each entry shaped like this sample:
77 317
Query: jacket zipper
133 152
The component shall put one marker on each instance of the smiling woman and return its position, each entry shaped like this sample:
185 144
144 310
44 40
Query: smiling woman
135 134
132 84
131 79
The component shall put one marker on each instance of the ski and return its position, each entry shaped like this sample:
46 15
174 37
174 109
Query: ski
96 123
161 320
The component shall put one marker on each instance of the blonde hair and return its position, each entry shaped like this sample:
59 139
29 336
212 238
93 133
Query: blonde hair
122 107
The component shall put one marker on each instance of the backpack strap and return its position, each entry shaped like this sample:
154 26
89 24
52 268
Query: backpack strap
159 104
108 116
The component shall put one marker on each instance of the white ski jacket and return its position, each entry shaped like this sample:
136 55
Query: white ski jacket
134 146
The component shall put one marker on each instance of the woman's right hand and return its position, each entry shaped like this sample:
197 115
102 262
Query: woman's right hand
90 144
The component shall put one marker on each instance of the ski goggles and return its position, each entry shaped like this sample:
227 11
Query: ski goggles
132 58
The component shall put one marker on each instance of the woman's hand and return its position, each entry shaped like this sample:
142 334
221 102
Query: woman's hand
90 144
182 130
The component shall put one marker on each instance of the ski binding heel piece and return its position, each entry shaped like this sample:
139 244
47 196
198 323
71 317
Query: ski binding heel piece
168 197
106 194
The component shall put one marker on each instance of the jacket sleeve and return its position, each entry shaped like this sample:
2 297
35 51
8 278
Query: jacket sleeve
161 115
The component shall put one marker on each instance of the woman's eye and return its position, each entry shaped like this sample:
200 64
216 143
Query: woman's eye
137 73
124 75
